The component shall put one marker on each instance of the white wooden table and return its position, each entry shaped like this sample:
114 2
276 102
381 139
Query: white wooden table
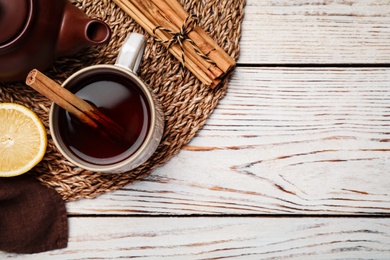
293 164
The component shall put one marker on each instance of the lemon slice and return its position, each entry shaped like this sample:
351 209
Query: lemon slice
23 139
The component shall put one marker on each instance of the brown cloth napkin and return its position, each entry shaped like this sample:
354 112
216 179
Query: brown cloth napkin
33 217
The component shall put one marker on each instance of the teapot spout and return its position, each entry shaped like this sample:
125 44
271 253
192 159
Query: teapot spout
79 31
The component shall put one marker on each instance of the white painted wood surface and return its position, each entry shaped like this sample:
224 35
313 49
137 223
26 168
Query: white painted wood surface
223 238
316 32
293 164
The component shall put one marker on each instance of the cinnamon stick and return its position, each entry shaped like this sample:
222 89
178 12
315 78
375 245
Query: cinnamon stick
85 112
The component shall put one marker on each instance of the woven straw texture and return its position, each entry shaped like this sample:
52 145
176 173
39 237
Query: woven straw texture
186 101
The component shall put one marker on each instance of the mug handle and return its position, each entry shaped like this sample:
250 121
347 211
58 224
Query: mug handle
131 52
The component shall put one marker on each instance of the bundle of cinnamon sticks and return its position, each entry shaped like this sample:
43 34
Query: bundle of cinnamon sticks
169 22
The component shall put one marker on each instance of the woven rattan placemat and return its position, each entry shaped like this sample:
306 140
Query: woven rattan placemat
186 102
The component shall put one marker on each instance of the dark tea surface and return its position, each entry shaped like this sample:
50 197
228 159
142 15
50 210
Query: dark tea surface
122 101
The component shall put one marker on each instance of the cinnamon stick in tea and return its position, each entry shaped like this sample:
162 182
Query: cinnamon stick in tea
82 110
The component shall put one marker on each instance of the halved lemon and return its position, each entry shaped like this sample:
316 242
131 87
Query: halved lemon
23 139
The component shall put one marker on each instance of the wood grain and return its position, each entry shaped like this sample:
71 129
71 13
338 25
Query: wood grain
286 140
282 141
220 238
316 32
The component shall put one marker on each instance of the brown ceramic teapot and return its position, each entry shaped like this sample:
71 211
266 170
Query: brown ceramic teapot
33 33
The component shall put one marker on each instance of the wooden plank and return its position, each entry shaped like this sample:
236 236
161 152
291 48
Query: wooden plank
218 238
318 31
283 140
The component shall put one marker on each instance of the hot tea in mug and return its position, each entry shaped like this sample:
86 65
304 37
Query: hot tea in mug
120 94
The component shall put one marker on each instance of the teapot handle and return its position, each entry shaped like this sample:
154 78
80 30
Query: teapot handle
131 52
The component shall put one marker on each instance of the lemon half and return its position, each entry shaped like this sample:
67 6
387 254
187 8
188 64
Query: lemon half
23 139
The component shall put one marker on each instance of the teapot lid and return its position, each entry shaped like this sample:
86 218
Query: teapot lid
14 18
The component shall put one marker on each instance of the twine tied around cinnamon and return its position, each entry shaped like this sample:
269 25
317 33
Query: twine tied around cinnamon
179 37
